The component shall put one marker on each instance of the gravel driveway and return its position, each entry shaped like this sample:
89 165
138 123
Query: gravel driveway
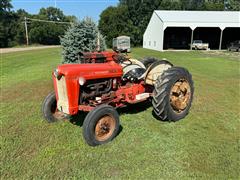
8 50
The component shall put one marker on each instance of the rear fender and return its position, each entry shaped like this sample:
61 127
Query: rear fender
155 70
133 61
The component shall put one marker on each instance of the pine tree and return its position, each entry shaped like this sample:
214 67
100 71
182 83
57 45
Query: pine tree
80 37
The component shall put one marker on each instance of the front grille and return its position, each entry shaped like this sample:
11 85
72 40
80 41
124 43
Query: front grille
62 103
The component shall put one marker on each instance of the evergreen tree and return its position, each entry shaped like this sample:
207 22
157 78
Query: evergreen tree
80 37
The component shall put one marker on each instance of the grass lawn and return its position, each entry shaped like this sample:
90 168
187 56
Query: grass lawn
203 145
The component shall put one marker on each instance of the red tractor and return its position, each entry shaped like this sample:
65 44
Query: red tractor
105 81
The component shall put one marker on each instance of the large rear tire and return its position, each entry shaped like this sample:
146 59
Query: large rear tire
173 94
101 125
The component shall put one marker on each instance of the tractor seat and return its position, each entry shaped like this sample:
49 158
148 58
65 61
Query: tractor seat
133 72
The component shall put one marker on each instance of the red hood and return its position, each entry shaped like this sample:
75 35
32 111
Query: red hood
91 71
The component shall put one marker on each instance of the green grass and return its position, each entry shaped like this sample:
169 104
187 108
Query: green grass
203 145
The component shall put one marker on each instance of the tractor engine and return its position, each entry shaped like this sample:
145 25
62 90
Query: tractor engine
95 88
79 84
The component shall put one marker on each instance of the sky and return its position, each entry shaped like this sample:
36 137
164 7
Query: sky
79 8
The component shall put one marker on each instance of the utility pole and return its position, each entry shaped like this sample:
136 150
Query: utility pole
39 20
26 30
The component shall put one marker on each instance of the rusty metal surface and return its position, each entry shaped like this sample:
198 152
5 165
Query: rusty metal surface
180 95
104 128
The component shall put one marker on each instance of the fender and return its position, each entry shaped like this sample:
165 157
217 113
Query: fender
156 69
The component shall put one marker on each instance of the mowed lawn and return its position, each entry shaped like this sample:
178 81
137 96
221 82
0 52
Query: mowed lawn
206 144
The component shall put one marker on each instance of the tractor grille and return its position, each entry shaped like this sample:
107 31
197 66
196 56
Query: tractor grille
62 103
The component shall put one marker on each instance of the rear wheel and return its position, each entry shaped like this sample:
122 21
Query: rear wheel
173 94
101 125
49 109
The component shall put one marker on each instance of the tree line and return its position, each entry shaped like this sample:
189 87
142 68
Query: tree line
12 29
131 17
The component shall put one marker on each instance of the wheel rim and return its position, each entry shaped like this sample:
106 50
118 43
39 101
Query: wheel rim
104 128
180 95
56 114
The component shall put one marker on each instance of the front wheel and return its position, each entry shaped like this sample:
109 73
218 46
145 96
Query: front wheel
173 94
101 125
49 109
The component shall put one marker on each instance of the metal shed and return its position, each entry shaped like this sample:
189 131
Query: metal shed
177 29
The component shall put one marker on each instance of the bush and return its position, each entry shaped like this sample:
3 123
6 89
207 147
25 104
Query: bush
80 37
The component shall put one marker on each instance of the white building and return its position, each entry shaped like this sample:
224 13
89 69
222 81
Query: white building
177 29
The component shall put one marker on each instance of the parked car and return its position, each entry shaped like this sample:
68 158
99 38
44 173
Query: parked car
198 44
234 46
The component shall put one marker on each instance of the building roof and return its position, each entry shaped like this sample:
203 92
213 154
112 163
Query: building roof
202 18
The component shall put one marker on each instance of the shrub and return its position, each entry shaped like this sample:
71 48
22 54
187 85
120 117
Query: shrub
80 37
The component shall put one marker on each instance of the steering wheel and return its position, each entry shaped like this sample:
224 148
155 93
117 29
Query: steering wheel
121 59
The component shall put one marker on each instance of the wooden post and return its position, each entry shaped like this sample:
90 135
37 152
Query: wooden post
220 43
26 30
98 41
191 39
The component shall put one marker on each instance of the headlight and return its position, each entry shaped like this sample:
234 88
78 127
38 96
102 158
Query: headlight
81 81
57 74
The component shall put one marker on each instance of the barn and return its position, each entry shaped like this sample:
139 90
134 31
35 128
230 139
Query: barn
178 29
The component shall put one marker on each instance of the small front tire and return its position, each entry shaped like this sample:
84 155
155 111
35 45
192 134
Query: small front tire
101 125
49 109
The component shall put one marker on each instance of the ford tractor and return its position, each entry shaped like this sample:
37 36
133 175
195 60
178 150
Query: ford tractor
102 82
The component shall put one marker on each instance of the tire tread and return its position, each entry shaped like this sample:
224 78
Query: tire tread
160 98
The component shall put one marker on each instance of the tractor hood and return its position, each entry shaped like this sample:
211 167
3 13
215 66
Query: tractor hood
89 71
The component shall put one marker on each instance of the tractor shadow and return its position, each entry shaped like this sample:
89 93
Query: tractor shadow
137 108
78 119
134 108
